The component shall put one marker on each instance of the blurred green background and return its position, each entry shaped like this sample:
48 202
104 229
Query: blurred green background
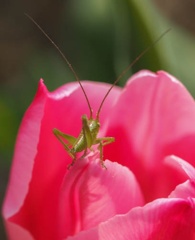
99 37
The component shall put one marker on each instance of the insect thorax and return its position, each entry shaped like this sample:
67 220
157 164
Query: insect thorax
94 126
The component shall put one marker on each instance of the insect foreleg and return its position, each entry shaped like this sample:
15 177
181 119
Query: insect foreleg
102 142
105 140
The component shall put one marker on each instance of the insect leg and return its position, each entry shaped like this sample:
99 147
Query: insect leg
70 139
72 163
105 140
102 142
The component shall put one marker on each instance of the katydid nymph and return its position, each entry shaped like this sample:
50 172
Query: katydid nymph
88 136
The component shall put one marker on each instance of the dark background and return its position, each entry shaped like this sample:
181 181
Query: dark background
99 37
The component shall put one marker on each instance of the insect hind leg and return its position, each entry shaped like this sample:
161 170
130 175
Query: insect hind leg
70 139
72 163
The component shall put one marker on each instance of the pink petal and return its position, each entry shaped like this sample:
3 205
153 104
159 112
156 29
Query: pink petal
91 195
40 162
15 231
25 152
183 166
185 190
161 219
154 117
91 234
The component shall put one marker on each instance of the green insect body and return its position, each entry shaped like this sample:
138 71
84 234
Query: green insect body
86 139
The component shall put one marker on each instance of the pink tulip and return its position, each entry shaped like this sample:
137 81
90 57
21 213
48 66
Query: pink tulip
148 189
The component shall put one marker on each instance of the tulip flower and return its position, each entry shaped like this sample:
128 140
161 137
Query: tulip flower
148 188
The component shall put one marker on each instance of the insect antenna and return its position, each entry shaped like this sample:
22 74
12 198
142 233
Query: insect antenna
65 59
127 68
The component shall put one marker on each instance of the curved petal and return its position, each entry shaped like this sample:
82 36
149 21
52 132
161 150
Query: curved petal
161 219
91 195
25 152
89 234
15 231
153 117
183 166
185 190
40 162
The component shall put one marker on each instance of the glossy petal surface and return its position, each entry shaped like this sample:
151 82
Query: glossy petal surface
148 189
157 119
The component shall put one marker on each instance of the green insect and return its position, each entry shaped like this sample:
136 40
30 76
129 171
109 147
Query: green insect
86 139
88 136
